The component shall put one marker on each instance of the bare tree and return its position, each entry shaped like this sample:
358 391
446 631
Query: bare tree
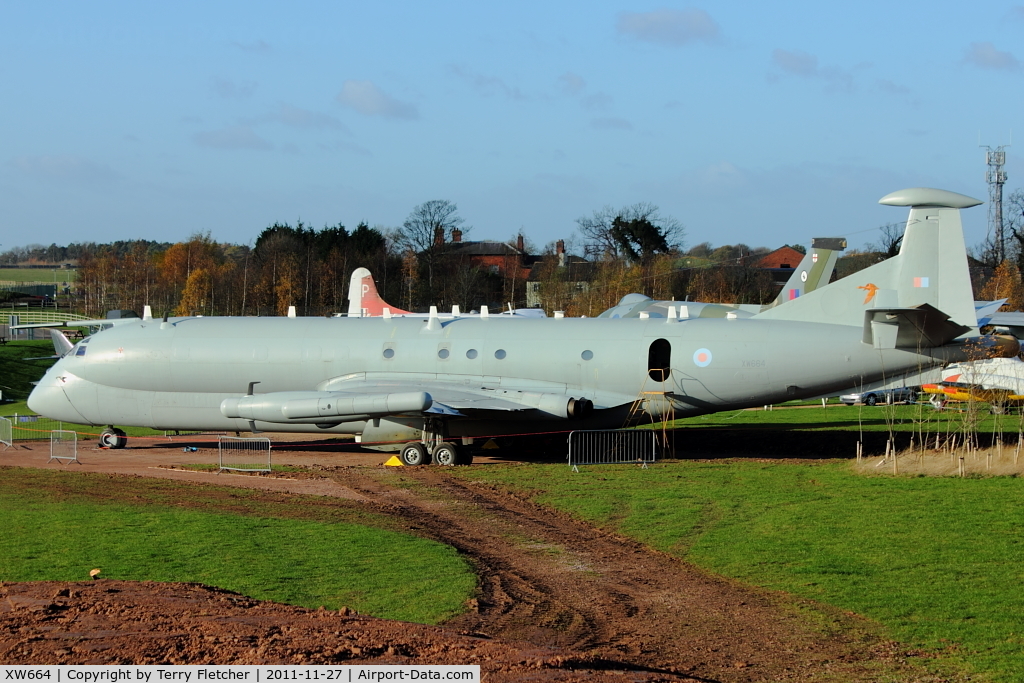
605 237
1013 220
890 240
426 230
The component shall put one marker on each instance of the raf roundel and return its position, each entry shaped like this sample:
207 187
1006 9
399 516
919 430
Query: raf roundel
702 358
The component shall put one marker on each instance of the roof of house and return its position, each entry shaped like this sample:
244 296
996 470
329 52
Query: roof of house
783 257
484 248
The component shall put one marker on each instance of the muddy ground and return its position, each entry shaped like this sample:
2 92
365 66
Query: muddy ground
558 599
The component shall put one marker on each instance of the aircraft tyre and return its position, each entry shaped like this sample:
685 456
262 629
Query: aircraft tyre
871 400
446 454
113 438
414 453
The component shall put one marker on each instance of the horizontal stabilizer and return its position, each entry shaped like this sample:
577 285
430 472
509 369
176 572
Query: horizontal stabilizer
920 327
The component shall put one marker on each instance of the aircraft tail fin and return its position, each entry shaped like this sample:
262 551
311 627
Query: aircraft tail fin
363 299
61 344
919 297
814 271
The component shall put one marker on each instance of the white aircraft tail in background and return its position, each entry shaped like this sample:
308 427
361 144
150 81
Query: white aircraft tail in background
364 301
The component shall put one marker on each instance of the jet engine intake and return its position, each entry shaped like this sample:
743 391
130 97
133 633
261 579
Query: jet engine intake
580 408
317 406
559 405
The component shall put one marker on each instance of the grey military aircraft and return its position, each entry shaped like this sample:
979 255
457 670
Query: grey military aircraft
417 385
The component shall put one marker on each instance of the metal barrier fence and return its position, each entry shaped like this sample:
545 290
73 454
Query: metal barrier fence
611 446
244 454
64 446
6 436
32 427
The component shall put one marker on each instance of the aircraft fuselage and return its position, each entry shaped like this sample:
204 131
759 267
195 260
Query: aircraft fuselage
176 375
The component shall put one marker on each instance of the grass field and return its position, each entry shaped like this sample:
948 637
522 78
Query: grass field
16 373
58 526
810 416
42 275
938 561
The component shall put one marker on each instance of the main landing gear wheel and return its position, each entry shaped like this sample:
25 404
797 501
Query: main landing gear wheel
113 437
414 453
446 454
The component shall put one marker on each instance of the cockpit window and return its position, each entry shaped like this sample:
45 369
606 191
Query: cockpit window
81 350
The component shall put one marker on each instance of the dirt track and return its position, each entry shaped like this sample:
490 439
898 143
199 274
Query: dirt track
558 599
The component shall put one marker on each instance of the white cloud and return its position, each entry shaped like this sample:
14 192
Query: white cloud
612 123
232 137
668 26
487 85
986 56
258 47
346 147
805 65
796 62
891 88
598 100
228 89
572 84
366 98
304 118
65 168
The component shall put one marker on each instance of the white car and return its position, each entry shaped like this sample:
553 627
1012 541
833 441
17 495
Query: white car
885 396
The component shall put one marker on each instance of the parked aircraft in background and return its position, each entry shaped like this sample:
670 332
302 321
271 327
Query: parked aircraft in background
426 382
997 381
813 271
365 302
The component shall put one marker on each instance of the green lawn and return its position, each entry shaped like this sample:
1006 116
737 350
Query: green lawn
58 526
938 561
43 275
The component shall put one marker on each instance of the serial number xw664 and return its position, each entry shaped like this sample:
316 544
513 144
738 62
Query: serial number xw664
28 674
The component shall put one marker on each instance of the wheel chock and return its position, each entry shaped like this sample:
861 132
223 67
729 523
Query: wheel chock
393 461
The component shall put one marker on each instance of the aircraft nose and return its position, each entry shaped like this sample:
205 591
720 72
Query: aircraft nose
49 400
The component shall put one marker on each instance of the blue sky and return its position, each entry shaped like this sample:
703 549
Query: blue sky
764 123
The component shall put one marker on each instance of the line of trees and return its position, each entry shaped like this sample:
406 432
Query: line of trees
298 266
631 249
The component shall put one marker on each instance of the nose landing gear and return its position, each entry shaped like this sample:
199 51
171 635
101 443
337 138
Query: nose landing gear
113 438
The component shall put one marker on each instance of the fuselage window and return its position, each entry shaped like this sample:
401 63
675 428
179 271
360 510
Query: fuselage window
499 354
471 354
587 355
659 360
389 353
442 354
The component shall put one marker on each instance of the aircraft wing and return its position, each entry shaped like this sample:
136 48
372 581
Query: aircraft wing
1012 321
100 322
478 396
363 398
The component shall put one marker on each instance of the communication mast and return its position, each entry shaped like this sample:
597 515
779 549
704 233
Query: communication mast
996 178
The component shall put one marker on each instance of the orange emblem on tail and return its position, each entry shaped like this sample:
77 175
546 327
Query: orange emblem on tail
871 289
